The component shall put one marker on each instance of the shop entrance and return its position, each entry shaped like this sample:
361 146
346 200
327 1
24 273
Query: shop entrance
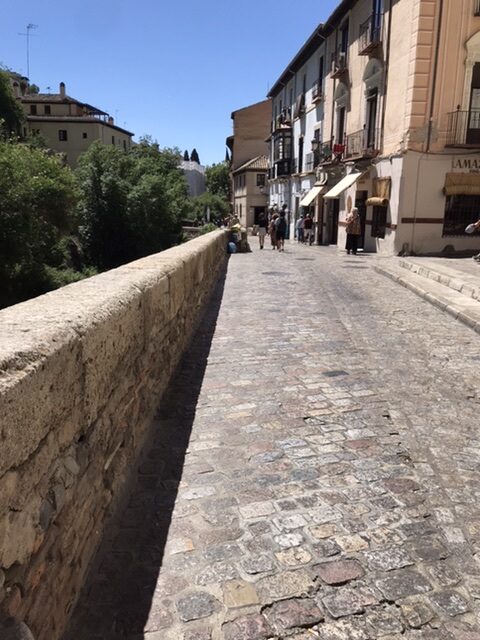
333 211
360 202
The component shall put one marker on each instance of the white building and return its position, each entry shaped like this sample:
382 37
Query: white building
195 175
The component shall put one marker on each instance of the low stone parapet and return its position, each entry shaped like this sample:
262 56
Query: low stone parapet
82 370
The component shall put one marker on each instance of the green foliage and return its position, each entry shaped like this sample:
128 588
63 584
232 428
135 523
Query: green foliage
194 156
33 89
208 227
11 112
217 180
131 204
56 278
37 206
199 205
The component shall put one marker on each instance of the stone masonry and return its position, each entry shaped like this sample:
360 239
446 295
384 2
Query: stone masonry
81 373
313 471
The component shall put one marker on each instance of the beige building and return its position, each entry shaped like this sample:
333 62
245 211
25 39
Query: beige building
69 126
250 190
392 121
249 163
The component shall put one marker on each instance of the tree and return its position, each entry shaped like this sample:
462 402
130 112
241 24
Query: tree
217 180
186 157
11 112
217 206
33 89
194 156
131 204
37 207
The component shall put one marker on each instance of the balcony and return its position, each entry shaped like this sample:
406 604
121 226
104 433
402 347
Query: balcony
362 144
282 168
317 93
283 120
463 128
339 64
371 34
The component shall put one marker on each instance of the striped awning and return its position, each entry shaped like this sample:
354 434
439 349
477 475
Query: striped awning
342 186
307 200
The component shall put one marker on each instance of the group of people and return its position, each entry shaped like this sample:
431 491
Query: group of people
275 225
304 229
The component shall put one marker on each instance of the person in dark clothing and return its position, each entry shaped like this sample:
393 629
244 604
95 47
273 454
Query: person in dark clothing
281 231
262 228
354 230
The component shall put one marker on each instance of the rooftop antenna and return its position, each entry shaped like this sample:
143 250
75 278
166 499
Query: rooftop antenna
27 35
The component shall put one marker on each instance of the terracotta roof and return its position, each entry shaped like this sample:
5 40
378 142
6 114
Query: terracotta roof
260 163
56 98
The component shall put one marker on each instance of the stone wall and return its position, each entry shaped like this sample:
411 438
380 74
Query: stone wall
82 370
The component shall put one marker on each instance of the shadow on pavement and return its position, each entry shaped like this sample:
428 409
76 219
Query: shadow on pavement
116 602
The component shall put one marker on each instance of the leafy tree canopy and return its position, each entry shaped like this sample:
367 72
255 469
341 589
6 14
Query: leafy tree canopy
199 206
217 179
11 112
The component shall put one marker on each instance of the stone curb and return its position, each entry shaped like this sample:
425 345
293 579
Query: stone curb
437 276
471 320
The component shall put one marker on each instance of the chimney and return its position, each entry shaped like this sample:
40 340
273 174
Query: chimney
62 90
110 120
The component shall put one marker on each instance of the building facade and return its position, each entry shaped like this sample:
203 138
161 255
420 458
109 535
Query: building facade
67 125
195 176
249 148
380 109
250 190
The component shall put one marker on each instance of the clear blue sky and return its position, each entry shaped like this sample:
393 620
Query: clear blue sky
174 69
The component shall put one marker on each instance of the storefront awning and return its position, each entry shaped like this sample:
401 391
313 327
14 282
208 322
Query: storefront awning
342 186
307 200
381 193
462 184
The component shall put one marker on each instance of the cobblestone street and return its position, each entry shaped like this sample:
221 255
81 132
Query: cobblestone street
314 471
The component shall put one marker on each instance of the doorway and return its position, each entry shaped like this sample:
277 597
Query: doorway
361 204
333 212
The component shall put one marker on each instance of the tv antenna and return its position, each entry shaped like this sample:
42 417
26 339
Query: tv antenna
27 35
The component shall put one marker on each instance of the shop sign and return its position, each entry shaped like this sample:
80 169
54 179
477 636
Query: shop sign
466 163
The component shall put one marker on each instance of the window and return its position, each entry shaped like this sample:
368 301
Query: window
340 125
372 101
62 135
33 109
379 222
124 145
300 155
321 70
460 211
344 38
260 179
84 135
47 110
113 139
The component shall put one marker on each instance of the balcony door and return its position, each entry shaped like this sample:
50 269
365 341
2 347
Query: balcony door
377 10
473 127
372 104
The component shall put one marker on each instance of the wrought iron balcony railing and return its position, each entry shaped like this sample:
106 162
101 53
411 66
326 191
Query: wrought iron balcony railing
339 63
317 92
371 33
363 143
463 128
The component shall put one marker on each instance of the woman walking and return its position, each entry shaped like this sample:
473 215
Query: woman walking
272 230
262 229
354 230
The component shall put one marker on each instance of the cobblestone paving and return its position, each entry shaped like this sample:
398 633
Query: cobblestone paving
330 485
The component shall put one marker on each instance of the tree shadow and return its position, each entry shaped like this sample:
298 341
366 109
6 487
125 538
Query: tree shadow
116 600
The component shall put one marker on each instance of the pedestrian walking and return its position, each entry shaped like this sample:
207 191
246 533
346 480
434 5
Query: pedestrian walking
281 230
299 228
354 230
262 228
308 228
272 230
472 228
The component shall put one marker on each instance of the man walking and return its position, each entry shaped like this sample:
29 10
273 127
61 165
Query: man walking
308 228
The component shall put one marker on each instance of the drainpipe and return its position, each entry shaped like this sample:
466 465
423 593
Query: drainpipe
435 73
387 64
